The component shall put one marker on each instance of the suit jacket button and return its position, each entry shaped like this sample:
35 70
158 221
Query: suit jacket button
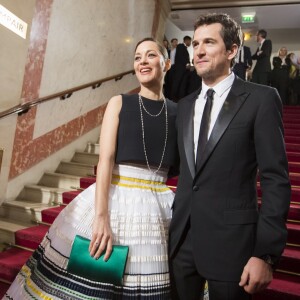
195 188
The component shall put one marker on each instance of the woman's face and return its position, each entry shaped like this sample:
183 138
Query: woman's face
149 63
283 51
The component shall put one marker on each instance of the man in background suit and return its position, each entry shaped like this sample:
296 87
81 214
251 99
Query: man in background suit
177 81
227 130
243 61
262 70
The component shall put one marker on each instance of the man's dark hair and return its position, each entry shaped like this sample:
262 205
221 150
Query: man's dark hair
161 48
262 33
187 38
174 40
231 32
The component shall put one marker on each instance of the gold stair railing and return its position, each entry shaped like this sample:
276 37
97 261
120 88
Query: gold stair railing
24 108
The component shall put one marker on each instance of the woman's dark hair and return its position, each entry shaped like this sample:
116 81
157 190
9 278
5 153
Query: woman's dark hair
161 48
231 32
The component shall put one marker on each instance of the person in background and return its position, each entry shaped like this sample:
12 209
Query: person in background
129 204
243 61
176 83
280 74
262 70
167 46
294 77
227 131
174 43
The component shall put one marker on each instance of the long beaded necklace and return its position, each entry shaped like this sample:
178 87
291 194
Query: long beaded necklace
142 107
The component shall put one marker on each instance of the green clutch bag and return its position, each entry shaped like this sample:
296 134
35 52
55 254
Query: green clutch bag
82 264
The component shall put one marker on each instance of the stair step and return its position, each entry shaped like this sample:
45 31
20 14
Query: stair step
8 229
294 167
49 214
293 156
292 139
295 179
291 125
295 196
65 181
31 237
172 181
85 182
86 158
292 132
292 147
74 168
42 194
290 260
69 196
283 287
294 213
11 261
293 233
22 210
92 148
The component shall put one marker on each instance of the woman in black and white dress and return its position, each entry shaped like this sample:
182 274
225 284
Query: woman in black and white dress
129 204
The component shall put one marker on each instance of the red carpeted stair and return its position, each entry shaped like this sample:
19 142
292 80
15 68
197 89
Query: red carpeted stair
69 196
49 214
31 237
85 182
283 287
11 262
286 283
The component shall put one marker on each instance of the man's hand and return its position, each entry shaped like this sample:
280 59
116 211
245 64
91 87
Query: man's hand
256 276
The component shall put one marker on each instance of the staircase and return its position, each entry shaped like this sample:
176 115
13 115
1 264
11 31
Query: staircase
286 282
25 220
41 203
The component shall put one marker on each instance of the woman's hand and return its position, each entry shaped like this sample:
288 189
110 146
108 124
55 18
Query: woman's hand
102 238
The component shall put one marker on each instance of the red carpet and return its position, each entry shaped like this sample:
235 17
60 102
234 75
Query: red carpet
283 287
87 181
3 288
294 235
290 260
31 237
69 196
11 262
49 214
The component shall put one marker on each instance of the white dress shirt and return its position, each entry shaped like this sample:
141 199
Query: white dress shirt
221 92
172 56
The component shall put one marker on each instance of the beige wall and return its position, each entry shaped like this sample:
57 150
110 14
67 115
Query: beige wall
13 53
87 40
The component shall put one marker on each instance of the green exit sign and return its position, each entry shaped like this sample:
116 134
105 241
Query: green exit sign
248 19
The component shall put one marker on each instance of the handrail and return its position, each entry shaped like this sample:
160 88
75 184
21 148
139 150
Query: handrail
24 108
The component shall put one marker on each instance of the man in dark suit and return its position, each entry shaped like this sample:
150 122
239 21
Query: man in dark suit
243 61
227 130
177 82
262 70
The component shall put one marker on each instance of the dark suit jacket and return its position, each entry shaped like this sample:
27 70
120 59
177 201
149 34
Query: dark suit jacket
219 197
263 63
240 67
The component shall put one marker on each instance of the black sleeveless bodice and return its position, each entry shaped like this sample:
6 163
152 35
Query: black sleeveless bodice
130 140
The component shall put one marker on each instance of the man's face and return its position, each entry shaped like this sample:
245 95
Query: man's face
258 37
188 42
211 59
174 43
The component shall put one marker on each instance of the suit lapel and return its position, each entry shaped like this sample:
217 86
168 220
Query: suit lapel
231 106
188 131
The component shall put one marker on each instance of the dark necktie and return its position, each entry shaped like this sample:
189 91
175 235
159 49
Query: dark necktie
205 121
